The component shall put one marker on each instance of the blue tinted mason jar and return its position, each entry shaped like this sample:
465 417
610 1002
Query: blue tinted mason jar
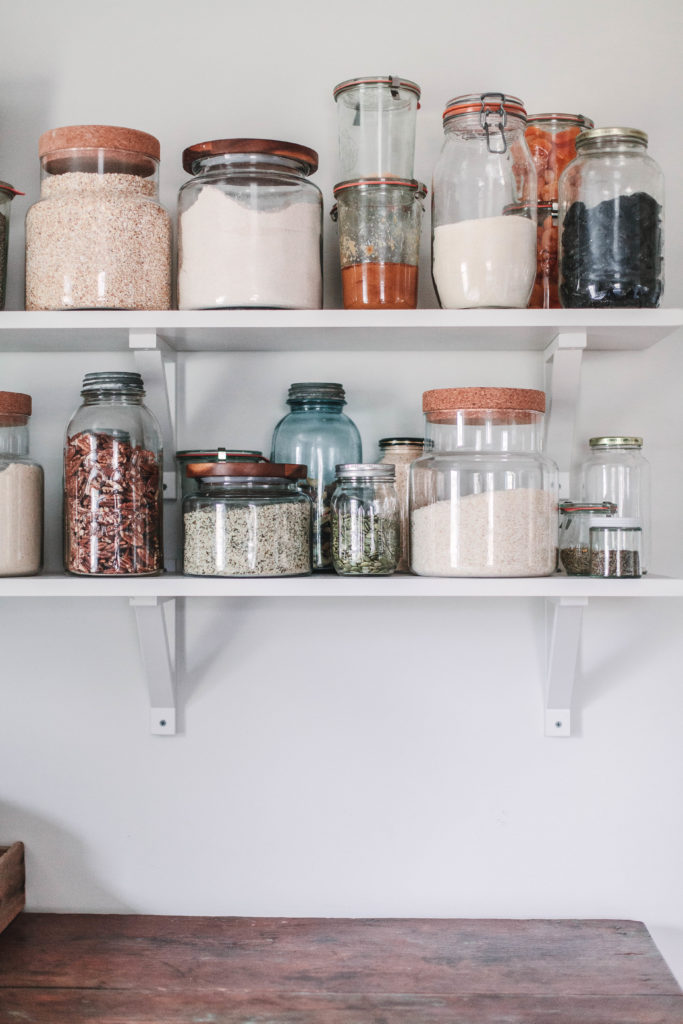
318 434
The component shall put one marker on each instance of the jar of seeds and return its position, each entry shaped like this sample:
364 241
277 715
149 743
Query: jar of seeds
98 237
615 547
575 522
365 520
247 519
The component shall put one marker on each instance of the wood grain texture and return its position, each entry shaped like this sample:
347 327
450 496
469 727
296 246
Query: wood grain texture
12 883
69 969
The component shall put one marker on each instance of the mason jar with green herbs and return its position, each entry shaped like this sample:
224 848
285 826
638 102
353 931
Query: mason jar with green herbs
365 520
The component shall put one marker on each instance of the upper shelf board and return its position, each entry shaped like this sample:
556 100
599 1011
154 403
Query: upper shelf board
336 329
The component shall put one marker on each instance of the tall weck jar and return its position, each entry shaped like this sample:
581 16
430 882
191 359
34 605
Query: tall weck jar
249 226
21 491
98 237
113 481
484 205
483 497
316 433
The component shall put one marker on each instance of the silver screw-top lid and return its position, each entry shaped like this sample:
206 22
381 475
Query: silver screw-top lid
113 380
366 471
401 442
591 135
320 391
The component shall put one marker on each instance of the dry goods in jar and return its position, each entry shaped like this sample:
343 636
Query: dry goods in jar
254 540
21 519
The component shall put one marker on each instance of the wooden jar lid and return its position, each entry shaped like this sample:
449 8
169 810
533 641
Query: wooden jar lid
286 471
14 403
98 136
452 399
268 147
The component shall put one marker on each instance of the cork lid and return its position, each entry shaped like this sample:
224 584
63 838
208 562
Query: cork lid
452 399
267 147
13 403
98 136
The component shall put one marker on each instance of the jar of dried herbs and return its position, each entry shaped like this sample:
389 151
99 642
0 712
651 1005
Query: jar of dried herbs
365 520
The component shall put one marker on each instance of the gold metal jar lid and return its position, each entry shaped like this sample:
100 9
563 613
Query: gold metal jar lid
616 442
610 135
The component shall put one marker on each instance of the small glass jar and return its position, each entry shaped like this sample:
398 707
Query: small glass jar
249 227
21 491
190 484
483 498
616 470
365 521
376 118
112 481
484 205
552 142
611 201
7 194
379 241
400 452
98 237
247 519
316 433
615 546
575 523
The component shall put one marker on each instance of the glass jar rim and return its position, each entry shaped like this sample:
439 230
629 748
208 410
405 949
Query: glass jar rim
391 80
415 186
308 158
578 120
478 103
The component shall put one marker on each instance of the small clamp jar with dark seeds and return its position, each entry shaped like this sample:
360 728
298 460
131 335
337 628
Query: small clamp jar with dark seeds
365 520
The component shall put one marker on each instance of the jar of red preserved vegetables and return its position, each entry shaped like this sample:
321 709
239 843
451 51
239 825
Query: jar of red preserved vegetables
551 139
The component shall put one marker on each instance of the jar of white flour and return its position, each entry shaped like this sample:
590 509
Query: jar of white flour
249 227
21 491
484 205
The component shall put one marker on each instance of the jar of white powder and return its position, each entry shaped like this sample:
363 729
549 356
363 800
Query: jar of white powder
249 227
21 491
483 497
484 205
98 238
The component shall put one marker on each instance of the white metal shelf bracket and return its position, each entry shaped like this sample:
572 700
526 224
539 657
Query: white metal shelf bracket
563 378
563 630
155 619
156 362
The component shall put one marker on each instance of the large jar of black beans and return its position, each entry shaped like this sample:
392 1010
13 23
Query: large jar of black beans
611 207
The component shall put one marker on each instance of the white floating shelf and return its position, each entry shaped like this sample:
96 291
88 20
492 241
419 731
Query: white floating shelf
336 329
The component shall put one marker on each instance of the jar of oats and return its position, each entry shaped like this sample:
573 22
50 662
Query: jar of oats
98 237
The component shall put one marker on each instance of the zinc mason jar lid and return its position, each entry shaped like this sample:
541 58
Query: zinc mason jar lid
59 148
596 136
394 82
113 380
562 120
382 473
454 399
602 443
193 155
316 391
264 470
486 105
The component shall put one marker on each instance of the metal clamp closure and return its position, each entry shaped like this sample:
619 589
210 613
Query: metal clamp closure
501 113
394 85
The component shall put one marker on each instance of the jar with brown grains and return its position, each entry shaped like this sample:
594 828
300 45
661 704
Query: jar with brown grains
112 481
98 237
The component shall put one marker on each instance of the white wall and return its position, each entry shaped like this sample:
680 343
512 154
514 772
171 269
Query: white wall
366 758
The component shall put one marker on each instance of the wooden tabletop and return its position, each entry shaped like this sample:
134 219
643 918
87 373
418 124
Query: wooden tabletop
119 969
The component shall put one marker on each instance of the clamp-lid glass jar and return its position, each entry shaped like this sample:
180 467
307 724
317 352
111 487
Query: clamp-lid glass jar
98 237
399 452
249 226
247 519
484 205
7 194
21 491
611 212
365 520
376 124
380 221
483 499
575 522
112 481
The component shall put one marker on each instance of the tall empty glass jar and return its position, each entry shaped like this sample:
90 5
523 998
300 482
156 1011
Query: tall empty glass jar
400 452
376 122
21 491
7 194
249 226
484 205
316 433
379 241
98 238
112 481
484 498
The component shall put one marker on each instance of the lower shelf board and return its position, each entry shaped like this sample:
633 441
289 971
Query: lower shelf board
120 969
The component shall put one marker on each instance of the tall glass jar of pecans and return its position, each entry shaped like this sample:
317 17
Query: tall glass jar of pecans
98 238
112 481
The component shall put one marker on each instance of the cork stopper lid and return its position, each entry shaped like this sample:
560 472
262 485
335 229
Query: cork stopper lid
73 148
13 403
452 399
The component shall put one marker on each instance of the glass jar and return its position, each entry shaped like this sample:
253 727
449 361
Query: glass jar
189 484
365 521
247 519
7 194
98 237
376 123
616 470
21 491
615 546
611 211
545 294
112 481
484 205
552 142
317 434
399 452
249 227
379 241
483 499
575 522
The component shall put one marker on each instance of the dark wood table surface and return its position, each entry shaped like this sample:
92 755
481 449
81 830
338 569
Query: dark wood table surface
120 969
